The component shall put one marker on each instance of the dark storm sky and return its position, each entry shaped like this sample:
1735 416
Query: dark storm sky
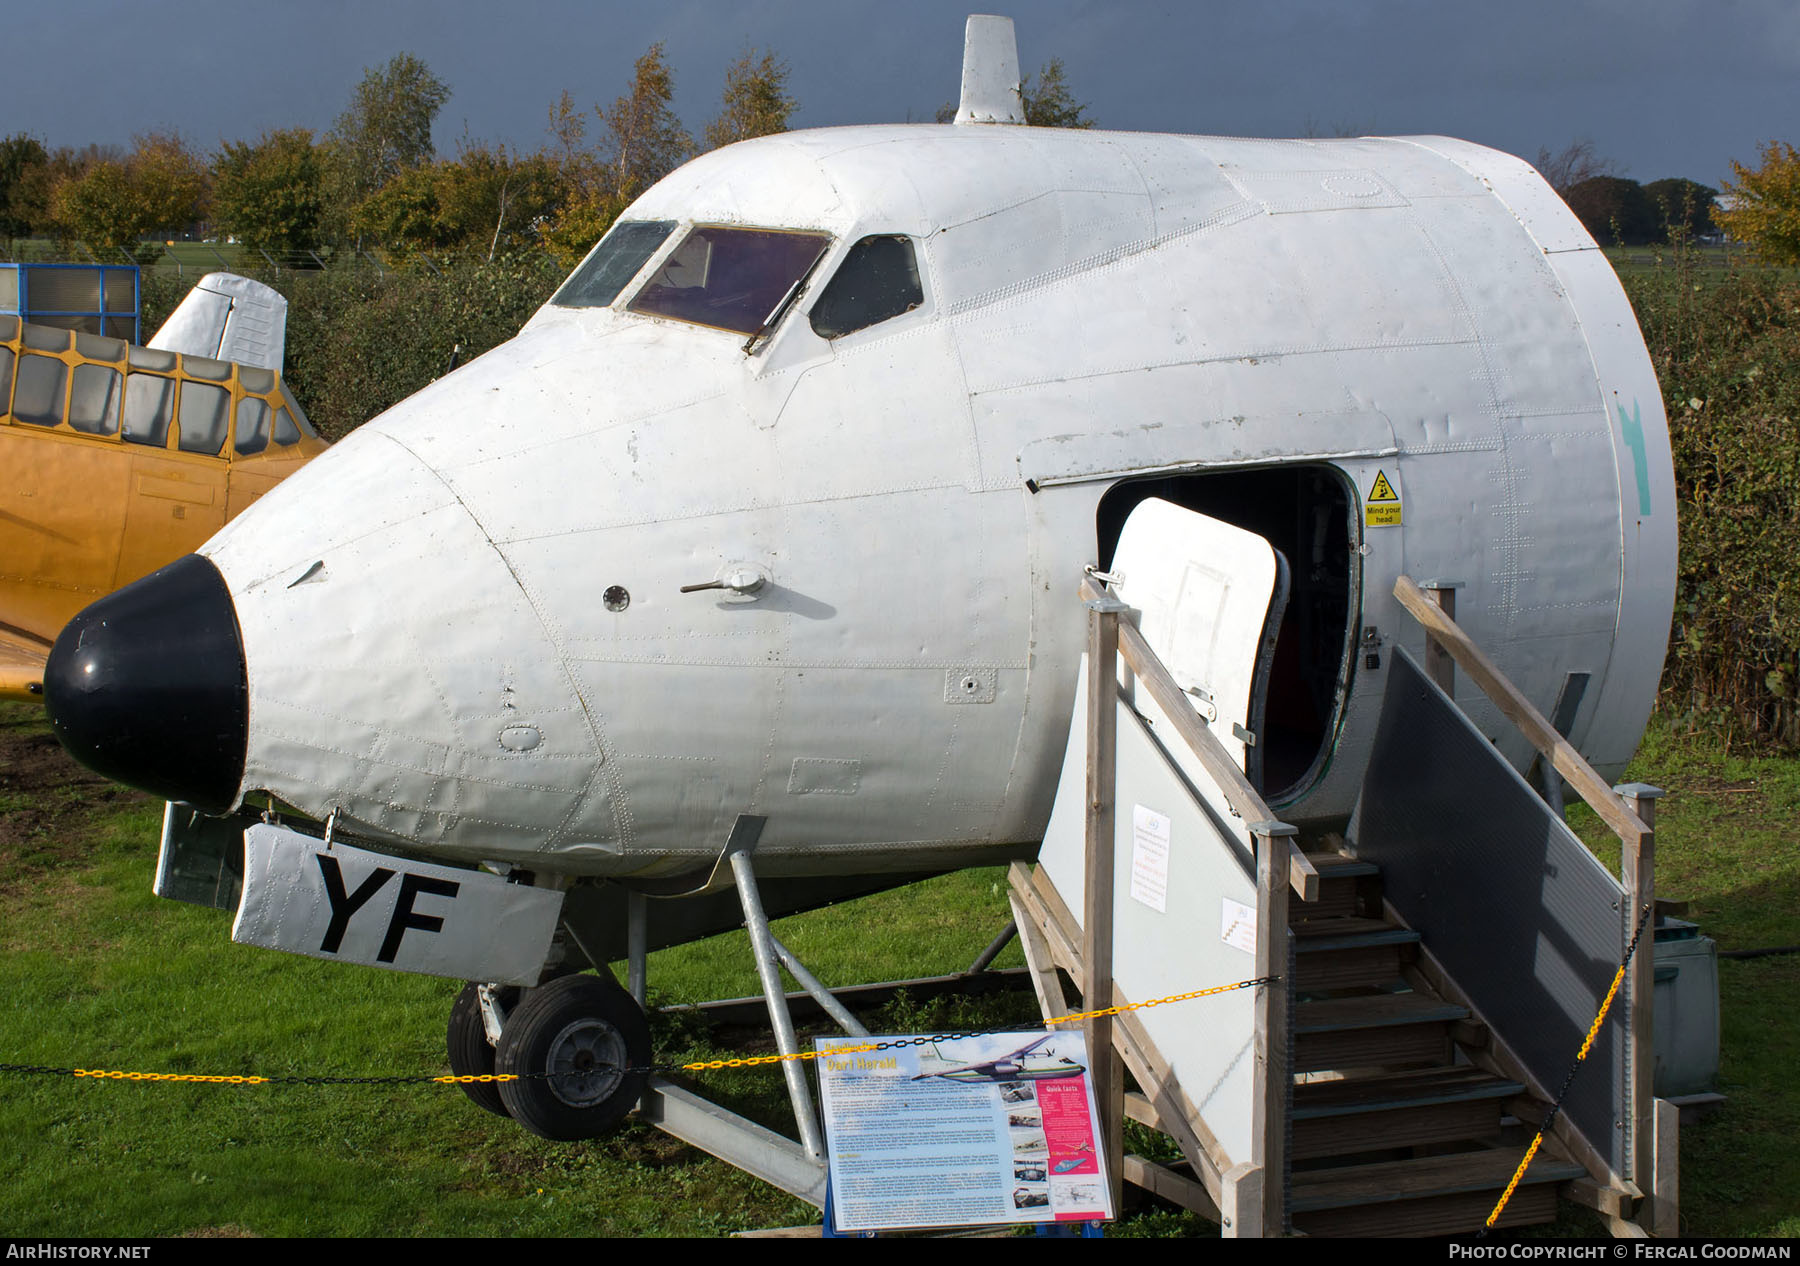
1663 87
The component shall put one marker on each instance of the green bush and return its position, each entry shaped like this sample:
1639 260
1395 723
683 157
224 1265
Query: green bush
1727 352
360 340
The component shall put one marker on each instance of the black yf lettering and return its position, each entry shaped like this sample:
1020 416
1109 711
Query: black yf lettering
342 907
411 886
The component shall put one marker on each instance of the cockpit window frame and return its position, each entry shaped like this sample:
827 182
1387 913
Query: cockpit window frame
628 285
780 309
826 278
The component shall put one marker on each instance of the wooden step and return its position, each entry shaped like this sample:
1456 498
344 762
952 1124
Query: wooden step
1387 1029
1409 1109
1346 952
1342 879
1429 1195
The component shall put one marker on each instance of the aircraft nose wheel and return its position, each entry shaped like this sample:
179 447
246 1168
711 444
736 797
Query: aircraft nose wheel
586 1032
471 1054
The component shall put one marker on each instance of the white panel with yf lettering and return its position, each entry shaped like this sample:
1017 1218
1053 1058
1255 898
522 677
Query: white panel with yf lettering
354 906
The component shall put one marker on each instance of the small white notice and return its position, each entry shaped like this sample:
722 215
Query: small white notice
1237 926
1150 858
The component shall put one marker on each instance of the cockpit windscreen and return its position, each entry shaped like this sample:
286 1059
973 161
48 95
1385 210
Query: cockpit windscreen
729 278
604 273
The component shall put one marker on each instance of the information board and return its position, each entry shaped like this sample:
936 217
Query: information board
977 1131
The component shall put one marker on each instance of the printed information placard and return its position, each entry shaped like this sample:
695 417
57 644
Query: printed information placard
979 1131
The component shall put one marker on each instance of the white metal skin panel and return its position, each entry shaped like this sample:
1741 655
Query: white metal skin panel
920 496
349 905
1203 589
1207 1041
228 317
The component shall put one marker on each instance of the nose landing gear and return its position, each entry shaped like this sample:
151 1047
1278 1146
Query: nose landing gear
572 1043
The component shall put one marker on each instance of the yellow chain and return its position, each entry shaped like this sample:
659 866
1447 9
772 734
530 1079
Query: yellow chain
747 1061
115 1075
1586 1045
753 1060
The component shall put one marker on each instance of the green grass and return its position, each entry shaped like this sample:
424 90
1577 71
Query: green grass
105 975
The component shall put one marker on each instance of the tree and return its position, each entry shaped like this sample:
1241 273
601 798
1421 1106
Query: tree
648 140
486 199
756 101
111 204
1577 162
1765 204
385 130
1614 210
1048 102
23 163
492 200
270 195
1683 206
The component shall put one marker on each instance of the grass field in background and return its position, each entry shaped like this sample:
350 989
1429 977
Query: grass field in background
105 975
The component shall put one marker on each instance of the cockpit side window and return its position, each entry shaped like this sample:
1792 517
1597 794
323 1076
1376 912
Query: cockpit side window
878 280
730 278
42 395
288 430
616 261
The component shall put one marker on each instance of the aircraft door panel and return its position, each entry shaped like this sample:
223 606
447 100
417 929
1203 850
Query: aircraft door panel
1210 598
172 508
60 515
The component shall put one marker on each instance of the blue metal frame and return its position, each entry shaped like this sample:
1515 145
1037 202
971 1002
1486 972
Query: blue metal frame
26 312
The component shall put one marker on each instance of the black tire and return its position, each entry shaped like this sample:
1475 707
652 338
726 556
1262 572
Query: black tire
587 1031
470 1054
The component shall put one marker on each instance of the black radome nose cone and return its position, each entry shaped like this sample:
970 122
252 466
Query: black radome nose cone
147 686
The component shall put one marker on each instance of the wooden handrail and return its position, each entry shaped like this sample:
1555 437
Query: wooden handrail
1519 710
1244 799
1631 817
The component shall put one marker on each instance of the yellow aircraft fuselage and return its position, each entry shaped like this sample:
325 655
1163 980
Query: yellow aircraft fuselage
115 460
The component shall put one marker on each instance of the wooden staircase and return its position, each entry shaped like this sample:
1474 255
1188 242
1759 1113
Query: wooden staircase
1393 1131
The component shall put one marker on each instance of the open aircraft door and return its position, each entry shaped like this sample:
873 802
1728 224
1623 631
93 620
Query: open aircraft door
1211 597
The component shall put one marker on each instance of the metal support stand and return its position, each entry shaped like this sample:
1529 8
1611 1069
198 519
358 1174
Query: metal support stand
637 940
744 834
985 959
818 992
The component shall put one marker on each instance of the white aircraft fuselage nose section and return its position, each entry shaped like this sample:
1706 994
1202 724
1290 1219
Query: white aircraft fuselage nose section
465 625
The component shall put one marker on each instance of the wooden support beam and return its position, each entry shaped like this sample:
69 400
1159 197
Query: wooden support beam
1665 1196
1438 664
1045 982
1241 1206
1097 885
1180 1119
1519 710
1171 1186
1271 1081
1637 863
1608 1201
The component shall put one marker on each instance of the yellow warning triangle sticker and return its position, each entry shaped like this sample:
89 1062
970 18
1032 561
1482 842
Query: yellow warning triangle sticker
1382 489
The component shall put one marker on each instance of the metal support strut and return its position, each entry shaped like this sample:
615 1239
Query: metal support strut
744 834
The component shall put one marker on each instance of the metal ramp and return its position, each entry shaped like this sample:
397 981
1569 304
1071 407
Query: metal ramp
1438 968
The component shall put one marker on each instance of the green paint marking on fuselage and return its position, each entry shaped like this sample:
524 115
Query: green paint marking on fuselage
1632 427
